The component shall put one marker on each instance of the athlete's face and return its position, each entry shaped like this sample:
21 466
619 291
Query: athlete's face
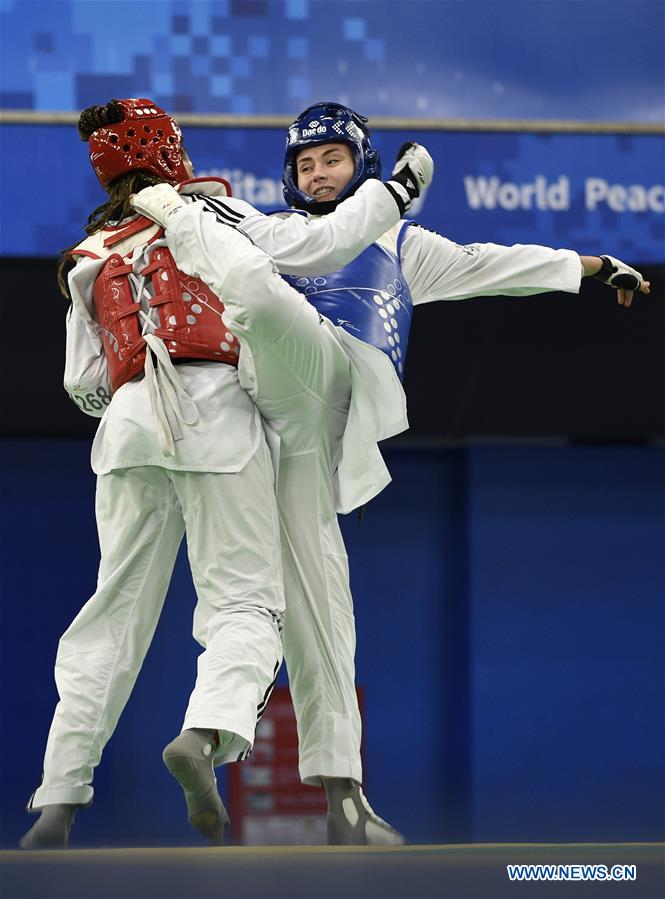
324 171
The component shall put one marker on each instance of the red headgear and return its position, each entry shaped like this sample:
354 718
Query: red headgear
147 138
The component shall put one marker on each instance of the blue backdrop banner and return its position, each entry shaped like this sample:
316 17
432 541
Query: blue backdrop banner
513 59
595 193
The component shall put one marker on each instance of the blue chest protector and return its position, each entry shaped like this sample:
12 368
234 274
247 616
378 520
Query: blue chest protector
369 298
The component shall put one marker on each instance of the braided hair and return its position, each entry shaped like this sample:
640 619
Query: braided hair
117 206
95 117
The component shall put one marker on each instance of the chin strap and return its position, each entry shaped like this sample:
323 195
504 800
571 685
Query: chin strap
325 208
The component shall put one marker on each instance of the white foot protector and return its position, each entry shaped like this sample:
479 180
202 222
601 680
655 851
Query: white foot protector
354 823
189 759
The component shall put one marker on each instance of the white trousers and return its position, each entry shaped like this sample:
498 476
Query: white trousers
299 376
233 545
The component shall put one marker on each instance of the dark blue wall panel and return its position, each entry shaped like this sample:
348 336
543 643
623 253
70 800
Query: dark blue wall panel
567 575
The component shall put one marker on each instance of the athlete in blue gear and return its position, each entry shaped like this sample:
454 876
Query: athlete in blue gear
328 157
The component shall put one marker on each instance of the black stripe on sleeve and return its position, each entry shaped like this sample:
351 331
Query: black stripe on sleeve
230 215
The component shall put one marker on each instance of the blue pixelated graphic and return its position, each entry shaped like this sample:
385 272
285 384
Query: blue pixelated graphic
23 57
221 85
54 90
51 62
374 49
17 100
113 43
181 45
467 60
143 74
80 46
241 104
297 48
199 14
93 89
298 87
163 84
201 66
44 42
297 9
219 23
240 67
248 8
220 45
180 24
355 29
161 55
182 73
259 46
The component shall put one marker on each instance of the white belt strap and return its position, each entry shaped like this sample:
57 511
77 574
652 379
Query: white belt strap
168 397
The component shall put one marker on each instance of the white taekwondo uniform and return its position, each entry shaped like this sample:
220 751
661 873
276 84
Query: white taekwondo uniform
218 486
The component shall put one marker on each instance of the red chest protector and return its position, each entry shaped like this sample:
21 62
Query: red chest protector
188 315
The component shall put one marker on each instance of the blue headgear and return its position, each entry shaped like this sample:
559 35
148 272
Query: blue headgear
327 123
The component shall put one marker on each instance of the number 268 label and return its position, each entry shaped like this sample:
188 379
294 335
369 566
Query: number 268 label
92 402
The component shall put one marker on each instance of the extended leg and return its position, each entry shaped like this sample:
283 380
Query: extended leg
319 645
319 631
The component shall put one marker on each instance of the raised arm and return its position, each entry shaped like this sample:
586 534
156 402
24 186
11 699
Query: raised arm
315 246
626 280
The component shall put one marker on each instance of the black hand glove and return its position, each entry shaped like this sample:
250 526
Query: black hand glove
618 274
